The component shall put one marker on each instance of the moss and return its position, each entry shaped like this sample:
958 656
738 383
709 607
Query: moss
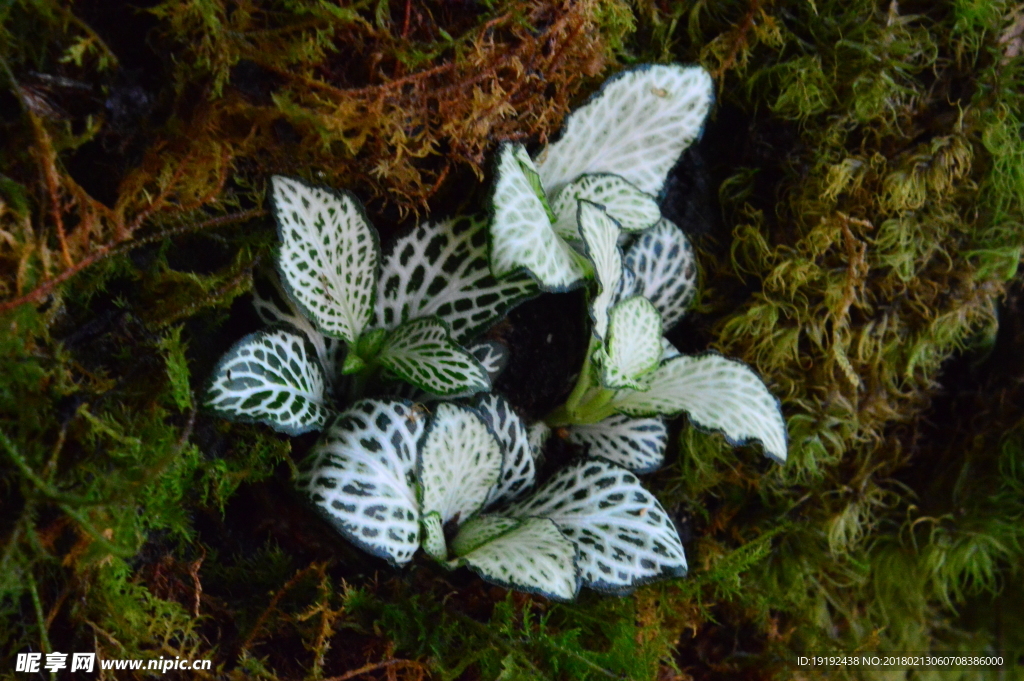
870 170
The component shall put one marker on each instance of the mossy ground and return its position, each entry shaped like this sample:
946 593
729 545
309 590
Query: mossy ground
857 203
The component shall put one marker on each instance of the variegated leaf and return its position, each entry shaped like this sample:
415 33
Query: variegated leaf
636 126
275 307
329 256
481 529
716 393
517 472
627 288
633 209
492 355
623 535
668 351
633 348
421 352
271 377
532 556
460 461
666 270
538 433
360 476
522 236
442 269
600 240
634 443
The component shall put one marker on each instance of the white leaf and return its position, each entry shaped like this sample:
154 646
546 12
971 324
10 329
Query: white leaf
329 256
532 556
634 443
522 236
460 461
360 477
623 535
271 377
600 239
633 347
716 393
666 270
633 209
442 269
517 472
636 126
420 352
275 307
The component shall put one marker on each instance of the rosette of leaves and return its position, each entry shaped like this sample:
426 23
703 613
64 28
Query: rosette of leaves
458 482
345 318
633 377
614 151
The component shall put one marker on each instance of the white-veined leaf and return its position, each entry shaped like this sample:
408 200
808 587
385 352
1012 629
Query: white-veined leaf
634 443
633 209
522 236
633 347
272 377
518 471
532 556
666 270
421 352
623 535
668 351
442 269
538 434
600 240
360 477
460 461
329 256
275 307
636 126
492 355
481 529
627 288
716 393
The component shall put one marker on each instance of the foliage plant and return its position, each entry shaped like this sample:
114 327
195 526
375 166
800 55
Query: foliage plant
394 319
563 219
855 204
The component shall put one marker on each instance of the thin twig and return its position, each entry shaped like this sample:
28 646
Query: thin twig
119 247
374 667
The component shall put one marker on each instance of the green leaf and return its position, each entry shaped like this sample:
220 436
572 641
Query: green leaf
716 393
633 348
600 239
421 352
531 556
633 209
666 270
441 269
270 377
360 477
634 443
623 535
522 236
275 307
636 126
517 472
329 256
460 461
